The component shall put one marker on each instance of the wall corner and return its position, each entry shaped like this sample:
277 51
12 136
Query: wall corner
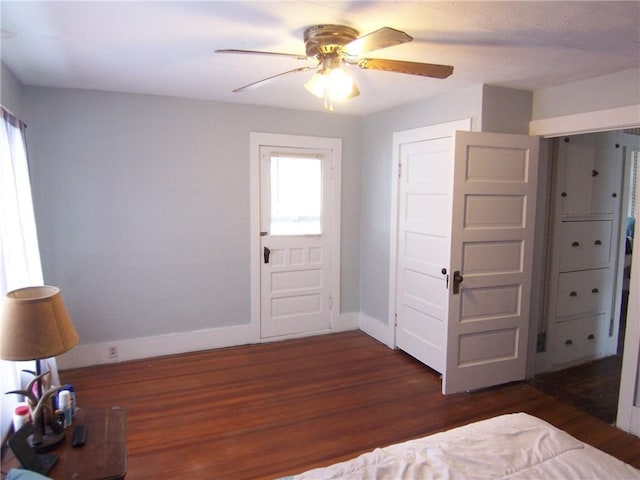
506 110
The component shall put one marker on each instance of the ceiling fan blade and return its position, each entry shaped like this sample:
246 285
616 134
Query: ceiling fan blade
382 38
264 81
401 66
256 52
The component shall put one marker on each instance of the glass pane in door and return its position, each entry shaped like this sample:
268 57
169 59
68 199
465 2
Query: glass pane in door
296 196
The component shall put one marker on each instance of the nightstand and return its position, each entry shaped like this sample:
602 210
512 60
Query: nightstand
103 456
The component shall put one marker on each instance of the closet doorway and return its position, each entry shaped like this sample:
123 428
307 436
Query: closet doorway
588 281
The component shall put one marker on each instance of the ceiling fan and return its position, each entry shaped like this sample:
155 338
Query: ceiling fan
335 46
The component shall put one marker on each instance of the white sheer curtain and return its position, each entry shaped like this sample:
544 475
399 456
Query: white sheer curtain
19 255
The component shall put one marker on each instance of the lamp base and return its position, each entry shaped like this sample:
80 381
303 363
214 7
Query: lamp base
47 442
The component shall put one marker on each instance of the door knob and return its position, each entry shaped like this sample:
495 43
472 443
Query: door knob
266 254
457 280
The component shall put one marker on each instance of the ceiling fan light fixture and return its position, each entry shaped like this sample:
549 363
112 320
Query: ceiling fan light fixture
332 84
317 84
340 84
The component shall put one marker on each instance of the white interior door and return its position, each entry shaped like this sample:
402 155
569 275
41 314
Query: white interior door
425 181
464 251
296 247
495 184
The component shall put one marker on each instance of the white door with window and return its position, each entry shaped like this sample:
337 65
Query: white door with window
465 223
299 208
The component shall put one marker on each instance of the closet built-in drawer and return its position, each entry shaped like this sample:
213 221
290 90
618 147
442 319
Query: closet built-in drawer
584 245
579 339
583 293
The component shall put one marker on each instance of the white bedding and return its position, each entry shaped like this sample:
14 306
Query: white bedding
515 446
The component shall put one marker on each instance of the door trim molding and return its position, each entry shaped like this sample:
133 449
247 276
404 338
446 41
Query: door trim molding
588 122
628 416
399 138
256 140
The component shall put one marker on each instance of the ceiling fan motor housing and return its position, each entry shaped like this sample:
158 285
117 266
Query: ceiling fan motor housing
321 40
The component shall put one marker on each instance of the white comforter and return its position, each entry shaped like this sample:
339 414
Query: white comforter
515 446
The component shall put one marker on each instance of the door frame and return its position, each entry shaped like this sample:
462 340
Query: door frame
256 140
599 121
628 417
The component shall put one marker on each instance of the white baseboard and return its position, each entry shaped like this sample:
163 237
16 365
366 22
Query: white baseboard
172 344
146 347
347 321
378 330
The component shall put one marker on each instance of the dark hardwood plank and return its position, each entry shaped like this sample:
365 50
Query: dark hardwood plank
269 410
592 386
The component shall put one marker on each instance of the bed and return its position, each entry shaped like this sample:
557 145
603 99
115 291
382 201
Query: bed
513 446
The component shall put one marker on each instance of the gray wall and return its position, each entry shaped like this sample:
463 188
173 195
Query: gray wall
142 205
619 89
376 184
10 91
491 109
506 110
142 201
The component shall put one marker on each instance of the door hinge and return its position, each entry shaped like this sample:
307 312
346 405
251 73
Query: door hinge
395 319
399 169
330 302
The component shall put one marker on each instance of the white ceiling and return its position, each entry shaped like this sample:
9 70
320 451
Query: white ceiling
167 48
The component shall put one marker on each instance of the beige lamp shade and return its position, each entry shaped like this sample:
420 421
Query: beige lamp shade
35 324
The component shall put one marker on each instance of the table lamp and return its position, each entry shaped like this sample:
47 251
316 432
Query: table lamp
35 325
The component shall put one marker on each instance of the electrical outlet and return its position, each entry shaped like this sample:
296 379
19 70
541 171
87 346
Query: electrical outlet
113 352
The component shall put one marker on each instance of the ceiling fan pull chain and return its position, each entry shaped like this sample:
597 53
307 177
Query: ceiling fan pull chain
328 101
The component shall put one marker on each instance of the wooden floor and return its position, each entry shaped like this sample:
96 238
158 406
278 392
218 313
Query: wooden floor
592 387
269 410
